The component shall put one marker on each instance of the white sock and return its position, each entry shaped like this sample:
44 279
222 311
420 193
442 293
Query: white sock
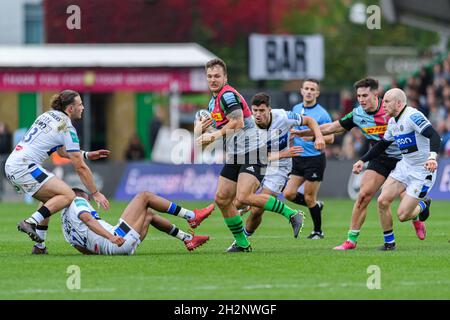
43 235
37 217
177 233
186 214
183 236
176 210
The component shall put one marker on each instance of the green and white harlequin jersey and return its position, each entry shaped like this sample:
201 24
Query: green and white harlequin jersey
407 133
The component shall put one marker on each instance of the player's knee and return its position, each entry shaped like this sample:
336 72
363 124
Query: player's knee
69 197
221 199
289 194
310 200
364 196
402 215
242 200
148 218
145 195
383 203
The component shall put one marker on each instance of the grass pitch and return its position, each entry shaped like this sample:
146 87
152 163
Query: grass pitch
280 267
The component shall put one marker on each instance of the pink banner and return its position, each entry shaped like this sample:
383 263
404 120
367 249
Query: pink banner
96 80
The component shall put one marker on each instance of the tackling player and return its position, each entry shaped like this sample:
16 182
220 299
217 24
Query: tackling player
52 131
276 123
371 118
416 172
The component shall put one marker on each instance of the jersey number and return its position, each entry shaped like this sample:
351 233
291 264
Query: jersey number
31 134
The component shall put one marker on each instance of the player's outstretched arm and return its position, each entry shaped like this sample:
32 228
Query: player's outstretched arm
326 129
87 178
96 227
289 153
319 142
375 151
88 155
329 139
96 154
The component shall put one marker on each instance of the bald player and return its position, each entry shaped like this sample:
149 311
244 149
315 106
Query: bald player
415 174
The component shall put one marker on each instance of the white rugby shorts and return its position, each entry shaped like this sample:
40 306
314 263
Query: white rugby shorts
275 178
27 178
100 245
417 179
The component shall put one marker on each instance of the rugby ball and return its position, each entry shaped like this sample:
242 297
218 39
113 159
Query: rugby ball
202 114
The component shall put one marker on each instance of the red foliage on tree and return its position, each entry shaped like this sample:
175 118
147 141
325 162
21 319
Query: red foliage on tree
146 21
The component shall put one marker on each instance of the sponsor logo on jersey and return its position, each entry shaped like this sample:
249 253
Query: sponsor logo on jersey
407 142
74 137
54 115
418 119
217 116
375 129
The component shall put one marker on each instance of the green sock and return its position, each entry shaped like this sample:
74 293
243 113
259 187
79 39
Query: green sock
275 205
353 235
236 226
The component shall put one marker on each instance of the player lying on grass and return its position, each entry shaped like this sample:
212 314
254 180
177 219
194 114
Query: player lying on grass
84 230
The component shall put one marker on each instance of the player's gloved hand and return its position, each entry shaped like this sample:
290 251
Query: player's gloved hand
117 240
358 166
100 199
98 154
431 165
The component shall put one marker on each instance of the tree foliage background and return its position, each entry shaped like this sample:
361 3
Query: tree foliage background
223 27
345 42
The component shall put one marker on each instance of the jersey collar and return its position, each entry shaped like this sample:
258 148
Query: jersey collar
314 105
378 108
399 115
63 112
270 123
